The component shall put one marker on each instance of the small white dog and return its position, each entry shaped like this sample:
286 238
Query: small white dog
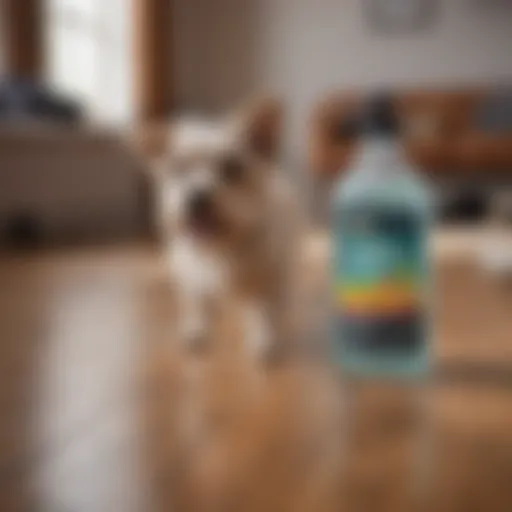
232 224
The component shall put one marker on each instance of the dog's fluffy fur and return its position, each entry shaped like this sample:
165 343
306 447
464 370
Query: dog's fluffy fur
232 224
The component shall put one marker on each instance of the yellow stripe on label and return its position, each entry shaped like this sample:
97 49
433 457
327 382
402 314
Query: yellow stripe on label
386 297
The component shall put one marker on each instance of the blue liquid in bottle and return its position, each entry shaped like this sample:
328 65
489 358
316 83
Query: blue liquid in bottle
382 214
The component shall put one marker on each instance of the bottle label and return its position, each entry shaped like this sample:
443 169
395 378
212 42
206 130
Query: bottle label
379 290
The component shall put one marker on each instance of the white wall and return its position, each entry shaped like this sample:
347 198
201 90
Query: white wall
303 48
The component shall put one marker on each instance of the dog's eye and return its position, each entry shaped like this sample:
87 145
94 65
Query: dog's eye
232 170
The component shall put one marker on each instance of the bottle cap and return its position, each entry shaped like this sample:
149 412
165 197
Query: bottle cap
379 116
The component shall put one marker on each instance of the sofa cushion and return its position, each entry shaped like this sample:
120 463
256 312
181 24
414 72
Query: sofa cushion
429 155
483 152
423 127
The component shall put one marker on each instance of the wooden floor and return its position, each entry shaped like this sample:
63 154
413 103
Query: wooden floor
101 410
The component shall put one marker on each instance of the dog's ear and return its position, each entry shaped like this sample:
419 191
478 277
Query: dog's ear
261 125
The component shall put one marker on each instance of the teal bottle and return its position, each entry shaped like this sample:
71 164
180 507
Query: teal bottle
382 215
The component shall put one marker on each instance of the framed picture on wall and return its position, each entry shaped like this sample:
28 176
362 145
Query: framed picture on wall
400 16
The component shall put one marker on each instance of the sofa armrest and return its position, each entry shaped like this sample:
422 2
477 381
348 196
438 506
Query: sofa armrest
481 152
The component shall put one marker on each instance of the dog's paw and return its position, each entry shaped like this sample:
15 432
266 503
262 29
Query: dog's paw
275 356
193 334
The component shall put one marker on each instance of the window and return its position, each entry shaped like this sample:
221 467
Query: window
89 55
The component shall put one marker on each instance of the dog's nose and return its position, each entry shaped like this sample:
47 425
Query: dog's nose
201 204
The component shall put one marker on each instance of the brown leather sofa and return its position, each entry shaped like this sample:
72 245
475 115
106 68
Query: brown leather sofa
442 133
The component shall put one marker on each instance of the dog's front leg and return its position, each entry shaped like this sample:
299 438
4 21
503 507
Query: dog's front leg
197 280
257 330
268 328
285 320
281 329
192 317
